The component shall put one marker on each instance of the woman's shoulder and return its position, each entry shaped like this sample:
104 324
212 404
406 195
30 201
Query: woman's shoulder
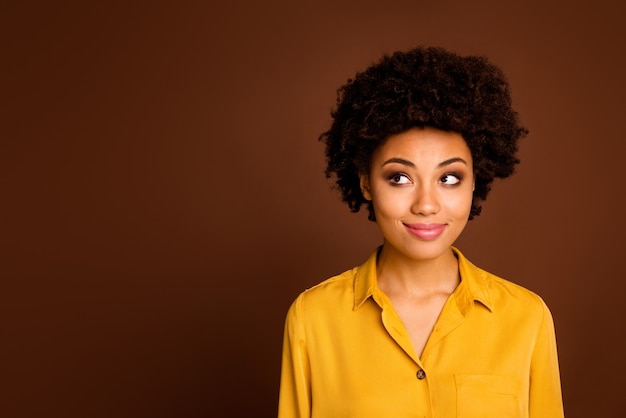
507 294
500 292
331 287
327 300
343 287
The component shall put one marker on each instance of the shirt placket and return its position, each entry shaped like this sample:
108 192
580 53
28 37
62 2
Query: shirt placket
449 319
421 402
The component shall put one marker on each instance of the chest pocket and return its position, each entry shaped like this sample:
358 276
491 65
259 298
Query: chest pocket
486 396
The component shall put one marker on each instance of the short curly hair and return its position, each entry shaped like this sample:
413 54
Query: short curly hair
423 87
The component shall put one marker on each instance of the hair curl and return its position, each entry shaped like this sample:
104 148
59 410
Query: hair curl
423 87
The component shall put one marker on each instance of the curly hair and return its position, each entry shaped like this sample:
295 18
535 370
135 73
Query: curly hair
423 87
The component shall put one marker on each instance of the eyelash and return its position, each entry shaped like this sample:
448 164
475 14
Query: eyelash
455 175
393 176
399 174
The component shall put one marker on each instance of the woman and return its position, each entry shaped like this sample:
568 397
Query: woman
418 330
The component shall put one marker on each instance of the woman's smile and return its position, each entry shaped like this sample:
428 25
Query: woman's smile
426 232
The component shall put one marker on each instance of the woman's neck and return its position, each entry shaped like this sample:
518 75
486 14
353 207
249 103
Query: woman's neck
398 273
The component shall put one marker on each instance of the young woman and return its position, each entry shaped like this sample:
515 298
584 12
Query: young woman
418 330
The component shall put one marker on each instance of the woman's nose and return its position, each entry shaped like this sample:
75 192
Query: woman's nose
425 201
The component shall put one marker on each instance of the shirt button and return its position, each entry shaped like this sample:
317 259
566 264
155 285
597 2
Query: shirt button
421 374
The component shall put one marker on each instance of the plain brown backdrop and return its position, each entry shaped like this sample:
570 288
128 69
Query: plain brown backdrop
163 202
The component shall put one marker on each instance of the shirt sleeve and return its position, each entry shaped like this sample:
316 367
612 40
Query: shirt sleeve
545 382
295 379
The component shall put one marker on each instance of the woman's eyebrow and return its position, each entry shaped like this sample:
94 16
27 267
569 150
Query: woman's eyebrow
451 161
411 164
399 161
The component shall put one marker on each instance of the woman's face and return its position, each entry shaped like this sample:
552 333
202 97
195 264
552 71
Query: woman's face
421 184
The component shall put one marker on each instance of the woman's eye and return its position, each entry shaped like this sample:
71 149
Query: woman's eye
450 179
399 179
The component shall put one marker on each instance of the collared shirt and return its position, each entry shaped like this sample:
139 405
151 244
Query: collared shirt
492 353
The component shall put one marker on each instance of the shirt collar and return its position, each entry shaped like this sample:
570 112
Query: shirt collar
473 286
365 280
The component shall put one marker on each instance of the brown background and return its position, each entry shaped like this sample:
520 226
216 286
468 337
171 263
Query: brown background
163 199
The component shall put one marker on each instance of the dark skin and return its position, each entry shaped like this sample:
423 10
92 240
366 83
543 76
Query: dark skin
421 186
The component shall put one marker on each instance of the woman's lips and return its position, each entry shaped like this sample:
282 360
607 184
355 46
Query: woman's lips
426 231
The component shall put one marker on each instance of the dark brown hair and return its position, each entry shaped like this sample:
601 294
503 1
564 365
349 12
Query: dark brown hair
418 88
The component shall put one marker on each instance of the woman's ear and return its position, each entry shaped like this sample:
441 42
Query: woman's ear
365 186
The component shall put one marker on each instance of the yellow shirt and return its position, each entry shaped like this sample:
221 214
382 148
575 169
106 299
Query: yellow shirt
492 353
